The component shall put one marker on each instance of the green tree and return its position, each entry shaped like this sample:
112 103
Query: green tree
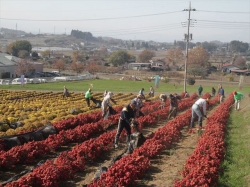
23 54
237 46
15 47
146 55
119 58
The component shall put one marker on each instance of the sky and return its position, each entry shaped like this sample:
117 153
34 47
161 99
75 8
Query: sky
157 20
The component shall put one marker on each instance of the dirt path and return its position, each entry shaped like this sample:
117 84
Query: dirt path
166 168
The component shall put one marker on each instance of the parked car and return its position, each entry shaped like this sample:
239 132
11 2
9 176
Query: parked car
4 82
18 81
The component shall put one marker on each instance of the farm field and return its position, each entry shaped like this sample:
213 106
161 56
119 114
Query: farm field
99 85
84 141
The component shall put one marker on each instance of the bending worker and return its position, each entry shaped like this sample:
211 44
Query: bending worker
197 112
127 115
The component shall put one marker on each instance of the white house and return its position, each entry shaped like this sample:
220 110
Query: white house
7 66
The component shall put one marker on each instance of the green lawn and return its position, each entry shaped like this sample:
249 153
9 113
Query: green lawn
119 86
236 165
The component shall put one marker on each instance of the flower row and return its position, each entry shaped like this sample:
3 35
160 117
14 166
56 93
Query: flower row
203 166
89 149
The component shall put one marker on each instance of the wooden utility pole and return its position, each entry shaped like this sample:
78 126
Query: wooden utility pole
187 38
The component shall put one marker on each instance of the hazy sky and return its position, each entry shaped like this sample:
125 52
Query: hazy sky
158 20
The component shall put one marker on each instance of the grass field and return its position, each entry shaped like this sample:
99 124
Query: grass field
121 86
236 164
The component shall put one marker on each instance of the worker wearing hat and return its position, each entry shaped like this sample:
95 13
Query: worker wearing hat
127 115
197 112
237 97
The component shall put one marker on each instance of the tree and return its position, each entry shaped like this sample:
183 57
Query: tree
60 65
174 55
198 62
146 55
119 58
78 67
237 46
240 61
197 70
23 54
92 68
45 53
76 56
198 56
24 68
34 55
209 46
15 47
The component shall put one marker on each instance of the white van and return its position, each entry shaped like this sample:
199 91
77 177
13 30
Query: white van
18 81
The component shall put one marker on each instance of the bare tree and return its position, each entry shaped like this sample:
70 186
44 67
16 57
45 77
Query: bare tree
240 61
24 68
199 56
60 65
146 55
78 67
174 56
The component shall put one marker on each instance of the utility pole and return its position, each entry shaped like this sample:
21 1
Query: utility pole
16 31
187 38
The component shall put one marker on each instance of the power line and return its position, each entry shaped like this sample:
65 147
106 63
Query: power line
97 19
223 12
221 21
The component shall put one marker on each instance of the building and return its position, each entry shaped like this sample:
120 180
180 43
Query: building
230 68
8 66
139 66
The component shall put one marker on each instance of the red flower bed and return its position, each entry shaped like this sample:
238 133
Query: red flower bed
203 166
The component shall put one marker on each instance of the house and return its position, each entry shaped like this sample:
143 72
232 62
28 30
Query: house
7 65
229 66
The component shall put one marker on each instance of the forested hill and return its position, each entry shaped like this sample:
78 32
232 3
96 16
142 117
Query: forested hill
83 35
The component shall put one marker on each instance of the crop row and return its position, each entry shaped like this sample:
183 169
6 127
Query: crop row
90 149
72 130
122 173
203 166
35 109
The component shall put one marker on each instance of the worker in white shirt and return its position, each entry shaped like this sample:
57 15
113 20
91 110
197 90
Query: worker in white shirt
197 112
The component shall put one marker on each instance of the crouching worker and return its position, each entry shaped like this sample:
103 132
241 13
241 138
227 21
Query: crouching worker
197 112
65 92
163 98
136 140
173 105
106 105
127 114
139 105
